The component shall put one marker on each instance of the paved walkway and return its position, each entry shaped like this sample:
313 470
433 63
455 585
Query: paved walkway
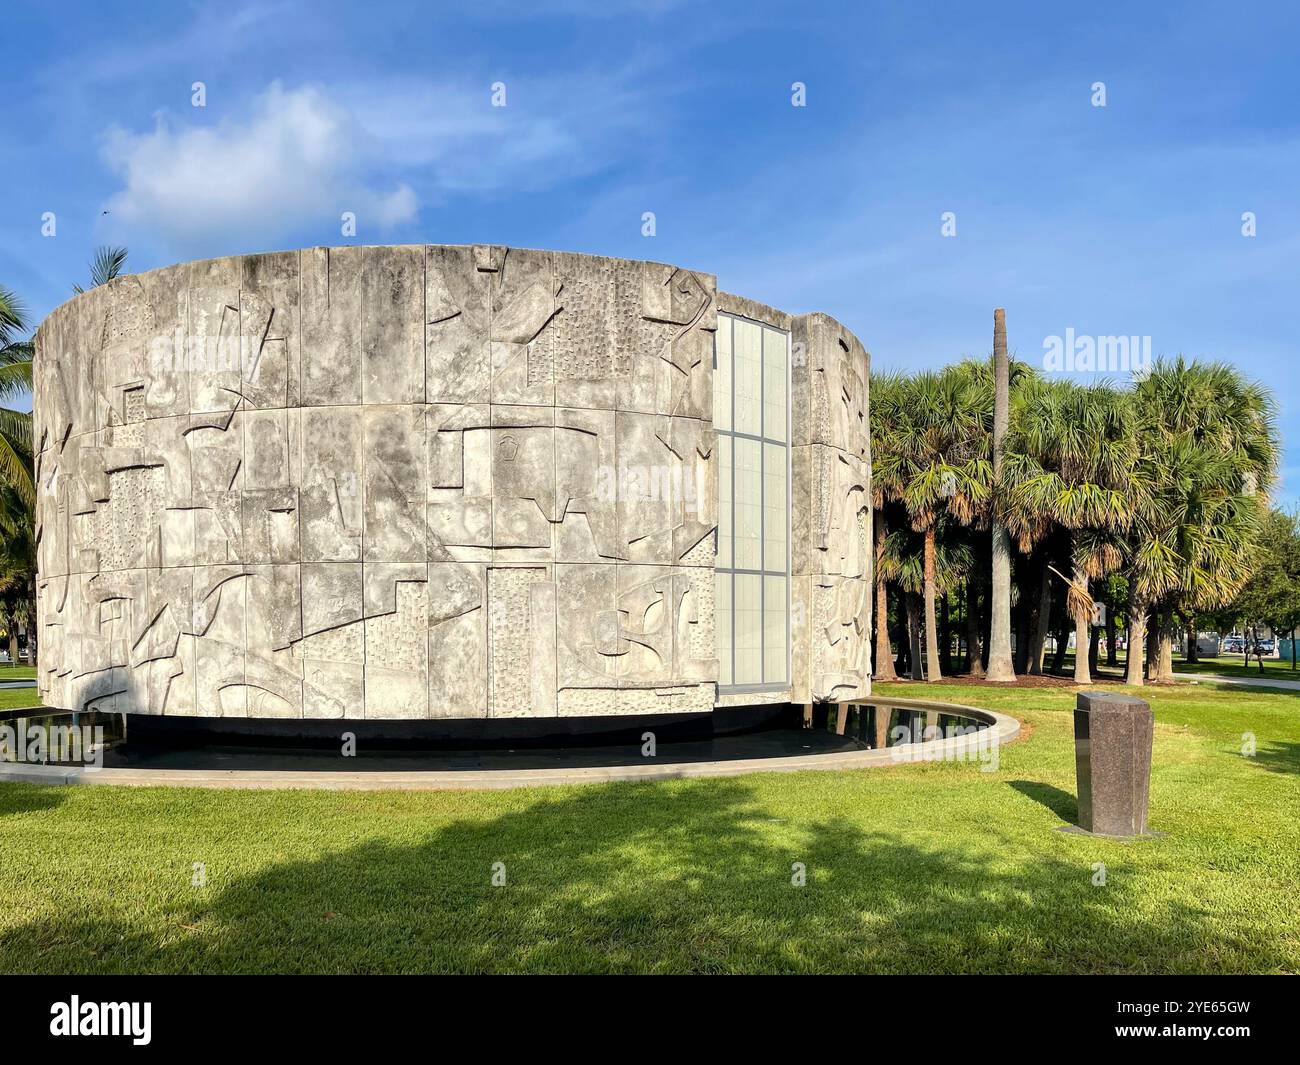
1246 682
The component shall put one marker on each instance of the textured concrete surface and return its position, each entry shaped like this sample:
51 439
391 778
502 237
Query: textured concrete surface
415 482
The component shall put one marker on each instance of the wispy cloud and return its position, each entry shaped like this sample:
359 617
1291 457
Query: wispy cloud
295 158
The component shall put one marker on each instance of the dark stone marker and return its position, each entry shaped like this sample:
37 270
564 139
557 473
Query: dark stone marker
1112 752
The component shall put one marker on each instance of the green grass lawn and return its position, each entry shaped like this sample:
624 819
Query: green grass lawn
14 698
937 867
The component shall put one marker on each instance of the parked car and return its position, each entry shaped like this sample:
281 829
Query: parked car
1264 646
1234 645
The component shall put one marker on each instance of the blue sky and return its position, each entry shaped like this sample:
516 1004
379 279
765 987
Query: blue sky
1116 220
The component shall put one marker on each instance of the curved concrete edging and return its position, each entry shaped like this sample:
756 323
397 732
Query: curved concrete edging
1002 730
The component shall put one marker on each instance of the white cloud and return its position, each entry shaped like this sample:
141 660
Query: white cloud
297 160
298 157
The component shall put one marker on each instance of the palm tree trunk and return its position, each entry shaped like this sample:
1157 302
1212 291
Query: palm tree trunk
932 669
1039 640
1062 642
914 637
974 656
1082 623
884 657
1137 631
1094 638
1112 629
945 636
1154 625
1000 667
1192 656
1165 660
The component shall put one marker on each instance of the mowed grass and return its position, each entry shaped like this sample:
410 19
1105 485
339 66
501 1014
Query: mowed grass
923 868
18 698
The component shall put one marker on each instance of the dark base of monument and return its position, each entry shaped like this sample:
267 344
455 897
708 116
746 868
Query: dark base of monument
458 734
1075 830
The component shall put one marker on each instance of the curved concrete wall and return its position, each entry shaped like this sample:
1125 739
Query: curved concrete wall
414 482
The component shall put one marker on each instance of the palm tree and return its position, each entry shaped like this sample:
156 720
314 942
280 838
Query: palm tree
105 266
1209 451
15 382
931 459
1073 464
887 400
1000 667
17 566
941 561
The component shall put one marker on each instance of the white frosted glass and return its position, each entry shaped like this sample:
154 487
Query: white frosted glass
748 369
748 623
775 643
748 504
724 502
722 374
775 519
775 407
722 624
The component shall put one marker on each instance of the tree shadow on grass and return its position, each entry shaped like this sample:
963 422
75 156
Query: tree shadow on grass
19 797
689 877
1278 757
1061 803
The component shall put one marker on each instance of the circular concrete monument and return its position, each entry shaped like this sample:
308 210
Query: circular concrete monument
446 482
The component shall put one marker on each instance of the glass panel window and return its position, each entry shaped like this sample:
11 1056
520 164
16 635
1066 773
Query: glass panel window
776 607
774 508
748 503
724 501
748 377
722 374
752 419
776 410
722 608
749 629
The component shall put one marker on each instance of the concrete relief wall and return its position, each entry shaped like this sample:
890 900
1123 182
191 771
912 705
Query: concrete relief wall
389 482
831 512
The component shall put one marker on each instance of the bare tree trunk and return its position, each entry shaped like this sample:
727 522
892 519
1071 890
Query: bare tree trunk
932 669
1000 667
1094 638
1137 631
1082 623
1062 642
1039 639
945 636
974 655
914 636
1192 654
1112 629
884 657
